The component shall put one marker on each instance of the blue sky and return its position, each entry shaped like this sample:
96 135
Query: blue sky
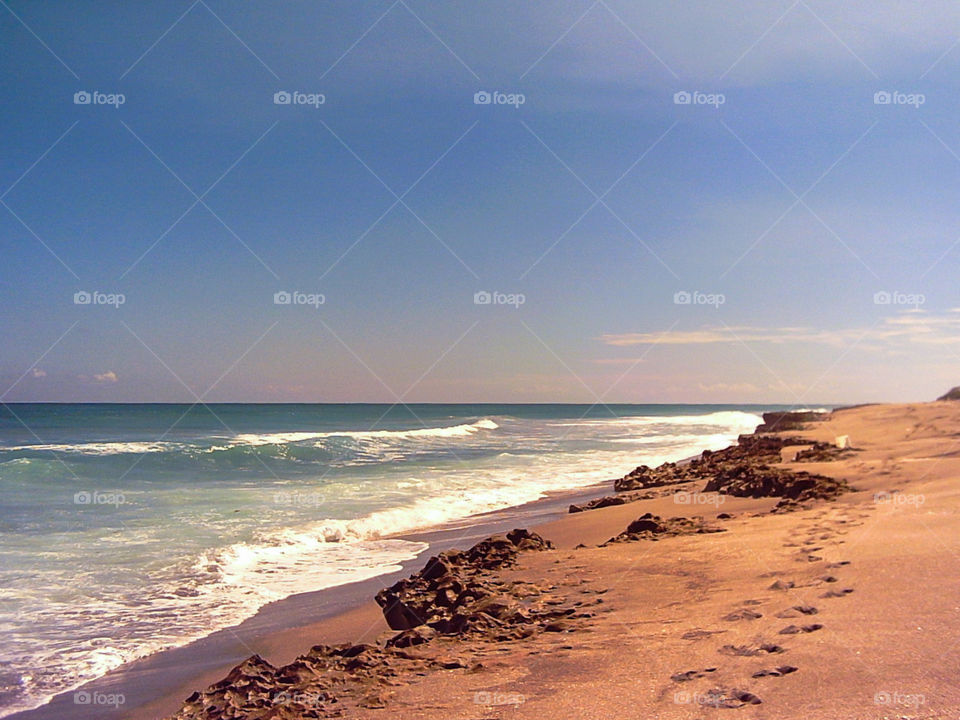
813 227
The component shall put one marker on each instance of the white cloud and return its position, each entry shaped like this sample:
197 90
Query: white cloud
108 377
38 373
913 326
719 387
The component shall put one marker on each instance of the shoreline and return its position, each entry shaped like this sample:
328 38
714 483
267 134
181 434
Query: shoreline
821 585
154 686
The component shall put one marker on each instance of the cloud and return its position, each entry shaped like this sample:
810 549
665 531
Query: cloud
744 387
38 373
108 377
913 326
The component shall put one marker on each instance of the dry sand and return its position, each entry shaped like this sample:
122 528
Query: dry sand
679 625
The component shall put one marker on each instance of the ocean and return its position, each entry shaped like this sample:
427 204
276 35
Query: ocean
128 529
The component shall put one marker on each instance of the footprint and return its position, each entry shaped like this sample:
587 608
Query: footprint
782 585
838 564
837 593
742 614
699 634
751 650
776 672
797 611
795 629
721 698
691 674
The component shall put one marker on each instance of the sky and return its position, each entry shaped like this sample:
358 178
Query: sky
573 201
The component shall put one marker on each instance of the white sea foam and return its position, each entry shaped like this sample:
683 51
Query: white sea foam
726 419
100 448
254 440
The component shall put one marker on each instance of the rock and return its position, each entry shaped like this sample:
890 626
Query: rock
598 503
825 452
450 594
645 477
653 527
410 638
756 481
782 585
781 421
953 394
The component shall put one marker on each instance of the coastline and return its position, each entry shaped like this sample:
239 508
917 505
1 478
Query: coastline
155 686
822 586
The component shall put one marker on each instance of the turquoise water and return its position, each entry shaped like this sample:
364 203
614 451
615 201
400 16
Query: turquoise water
126 529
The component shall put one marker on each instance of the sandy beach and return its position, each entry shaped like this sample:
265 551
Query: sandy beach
825 608
444 360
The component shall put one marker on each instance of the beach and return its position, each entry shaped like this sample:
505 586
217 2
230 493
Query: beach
147 545
817 581
827 608
465 361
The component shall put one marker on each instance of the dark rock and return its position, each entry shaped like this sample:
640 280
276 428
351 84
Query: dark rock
410 638
645 477
953 394
653 527
598 503
759 480
782 421
451 594
823 452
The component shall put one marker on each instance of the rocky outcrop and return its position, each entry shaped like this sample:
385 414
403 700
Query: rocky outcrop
312 686
783 421
455 594
749 448
599 503
823 452
757 481
953 394
621 499
644 477
458 594
652 527
751 468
